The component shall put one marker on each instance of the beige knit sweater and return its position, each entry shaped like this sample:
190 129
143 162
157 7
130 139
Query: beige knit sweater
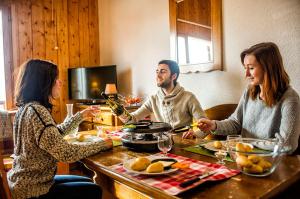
39 145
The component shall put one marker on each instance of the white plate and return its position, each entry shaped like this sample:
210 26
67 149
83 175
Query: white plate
127 163
87 139
265 144
210 146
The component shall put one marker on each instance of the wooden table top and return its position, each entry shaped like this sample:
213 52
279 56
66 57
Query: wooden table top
240 186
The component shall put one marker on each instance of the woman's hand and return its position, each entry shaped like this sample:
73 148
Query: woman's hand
91 111
189 134
108 141
206 125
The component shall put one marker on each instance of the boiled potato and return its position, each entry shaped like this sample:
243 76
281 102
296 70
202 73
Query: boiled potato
254 158
156 167
243 161
255 169
80 137
243 147
217 144
140 164
266 165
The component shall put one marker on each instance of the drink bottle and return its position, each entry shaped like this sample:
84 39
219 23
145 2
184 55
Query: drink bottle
117 108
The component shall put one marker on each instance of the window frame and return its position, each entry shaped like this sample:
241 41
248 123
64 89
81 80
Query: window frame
8 58
216 26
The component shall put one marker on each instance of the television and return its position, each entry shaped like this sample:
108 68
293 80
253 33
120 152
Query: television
86 84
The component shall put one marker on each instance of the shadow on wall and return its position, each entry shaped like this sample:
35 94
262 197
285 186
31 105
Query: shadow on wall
214 88
125 81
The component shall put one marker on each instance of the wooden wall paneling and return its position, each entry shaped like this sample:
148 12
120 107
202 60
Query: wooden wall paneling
25 33
94 58
38 30
51 53
15 43
63 52
50 31
84 33
73 29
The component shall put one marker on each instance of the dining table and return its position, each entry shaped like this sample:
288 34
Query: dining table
119 185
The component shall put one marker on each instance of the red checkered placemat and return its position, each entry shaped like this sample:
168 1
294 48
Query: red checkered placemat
170 183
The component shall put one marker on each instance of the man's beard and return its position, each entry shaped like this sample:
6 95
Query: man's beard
165 84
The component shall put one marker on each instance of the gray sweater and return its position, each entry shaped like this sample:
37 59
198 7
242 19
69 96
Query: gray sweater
39 145
178 108
252 118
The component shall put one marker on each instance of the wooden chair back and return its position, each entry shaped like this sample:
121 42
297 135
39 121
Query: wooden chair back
4 188
219 112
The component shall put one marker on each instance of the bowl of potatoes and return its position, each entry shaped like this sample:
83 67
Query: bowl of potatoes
257 157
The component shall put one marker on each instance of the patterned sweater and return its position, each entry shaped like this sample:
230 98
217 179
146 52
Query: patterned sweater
39 145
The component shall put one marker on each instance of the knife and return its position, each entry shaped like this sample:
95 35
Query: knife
191 181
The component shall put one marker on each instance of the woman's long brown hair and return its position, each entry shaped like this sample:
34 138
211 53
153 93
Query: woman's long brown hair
35 81
275 78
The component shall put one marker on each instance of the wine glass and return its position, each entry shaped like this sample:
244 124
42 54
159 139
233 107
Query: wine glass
164 143
97 114
221 155
231 141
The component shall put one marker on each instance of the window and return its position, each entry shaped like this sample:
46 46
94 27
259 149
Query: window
6 75
2 78
196 34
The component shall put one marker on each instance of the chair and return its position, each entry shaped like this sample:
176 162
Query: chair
4 188
219 112
6 149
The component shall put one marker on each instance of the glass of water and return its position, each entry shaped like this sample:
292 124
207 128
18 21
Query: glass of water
221 155
164 143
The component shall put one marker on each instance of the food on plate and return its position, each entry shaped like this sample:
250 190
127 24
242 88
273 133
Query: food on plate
243 147
217 144
80 137
140 164
180 165
155 167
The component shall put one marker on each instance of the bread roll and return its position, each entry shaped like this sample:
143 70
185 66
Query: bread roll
156 167
217 144
140 164
80 137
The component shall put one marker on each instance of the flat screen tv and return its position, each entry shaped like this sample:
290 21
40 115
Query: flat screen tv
86 84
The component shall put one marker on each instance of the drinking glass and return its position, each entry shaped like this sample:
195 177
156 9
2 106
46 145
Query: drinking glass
231 141
164 143
97 114
220 155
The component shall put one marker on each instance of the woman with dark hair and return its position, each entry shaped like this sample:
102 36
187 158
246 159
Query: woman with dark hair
269 107
39 142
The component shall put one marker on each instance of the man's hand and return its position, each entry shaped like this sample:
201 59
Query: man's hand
189 134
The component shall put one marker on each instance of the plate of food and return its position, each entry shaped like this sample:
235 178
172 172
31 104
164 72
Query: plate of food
215 145
151 165
82 138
